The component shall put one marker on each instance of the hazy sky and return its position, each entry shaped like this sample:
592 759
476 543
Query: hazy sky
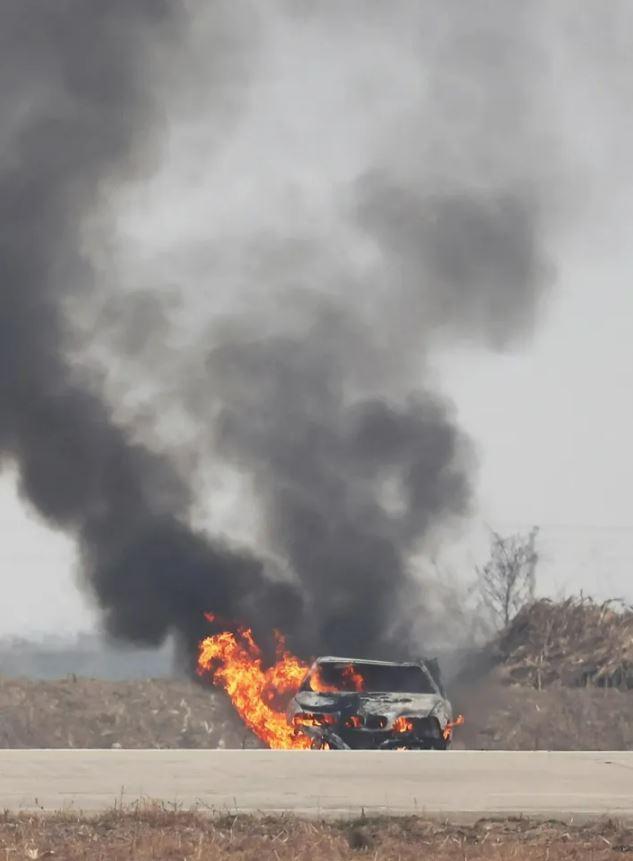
551 418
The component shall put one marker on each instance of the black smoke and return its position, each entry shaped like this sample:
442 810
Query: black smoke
347 487
78 113
321 394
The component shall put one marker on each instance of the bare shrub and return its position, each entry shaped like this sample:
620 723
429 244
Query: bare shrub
507 581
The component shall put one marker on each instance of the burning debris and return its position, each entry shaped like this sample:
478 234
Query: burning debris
574 643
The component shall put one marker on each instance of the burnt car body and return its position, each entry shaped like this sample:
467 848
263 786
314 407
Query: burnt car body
349 703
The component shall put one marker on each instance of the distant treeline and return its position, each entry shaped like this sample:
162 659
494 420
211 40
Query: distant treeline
86 655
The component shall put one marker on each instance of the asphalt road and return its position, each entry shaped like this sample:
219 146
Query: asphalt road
456 784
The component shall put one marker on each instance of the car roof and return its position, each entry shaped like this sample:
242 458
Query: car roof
332 659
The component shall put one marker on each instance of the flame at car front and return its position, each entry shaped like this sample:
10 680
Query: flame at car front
234 661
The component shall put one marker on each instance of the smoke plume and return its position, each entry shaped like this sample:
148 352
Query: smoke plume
77 113
321 394
316 385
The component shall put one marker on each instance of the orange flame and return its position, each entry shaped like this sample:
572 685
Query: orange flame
403 724
234 661
448 729
348 673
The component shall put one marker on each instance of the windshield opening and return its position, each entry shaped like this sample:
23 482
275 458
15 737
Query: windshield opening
346 677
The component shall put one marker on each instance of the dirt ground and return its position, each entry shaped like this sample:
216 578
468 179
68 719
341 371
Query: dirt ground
168 713
154 832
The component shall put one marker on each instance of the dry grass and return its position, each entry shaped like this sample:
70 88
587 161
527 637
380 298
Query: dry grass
167 713
575 643
502 717
78 712
152 832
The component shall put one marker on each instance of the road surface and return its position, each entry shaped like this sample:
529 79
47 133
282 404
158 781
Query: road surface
455 784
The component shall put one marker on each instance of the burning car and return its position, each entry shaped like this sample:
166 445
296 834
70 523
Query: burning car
348 703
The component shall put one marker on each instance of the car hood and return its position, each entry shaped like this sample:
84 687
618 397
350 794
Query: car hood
388 704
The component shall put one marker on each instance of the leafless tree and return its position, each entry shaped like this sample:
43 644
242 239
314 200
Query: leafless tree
507 581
